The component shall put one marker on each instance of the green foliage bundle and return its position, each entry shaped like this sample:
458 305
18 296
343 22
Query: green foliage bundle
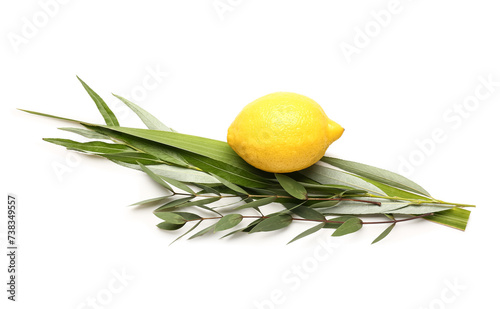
200 174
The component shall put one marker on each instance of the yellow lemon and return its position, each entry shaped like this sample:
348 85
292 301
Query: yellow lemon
282 132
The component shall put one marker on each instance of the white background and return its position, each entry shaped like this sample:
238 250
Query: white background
408 78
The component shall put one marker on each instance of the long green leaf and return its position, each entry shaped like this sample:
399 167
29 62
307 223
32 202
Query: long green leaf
187 232
395 192
171 205
420 209
325 175
92 147
105 111
377 174
357 208
207 189
183 174
84 132
149 120
151 200
49 116
384 233
155 177
324 188
230 185
204 231
200 202
178 184
132 157
308 232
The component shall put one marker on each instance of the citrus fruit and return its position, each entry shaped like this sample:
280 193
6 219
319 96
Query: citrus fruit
282 132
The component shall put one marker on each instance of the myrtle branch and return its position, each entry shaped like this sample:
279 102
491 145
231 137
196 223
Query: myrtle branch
324 221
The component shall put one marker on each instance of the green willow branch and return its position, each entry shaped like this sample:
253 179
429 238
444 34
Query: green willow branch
244 197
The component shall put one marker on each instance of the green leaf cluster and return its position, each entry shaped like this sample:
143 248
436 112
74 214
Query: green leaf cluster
205 180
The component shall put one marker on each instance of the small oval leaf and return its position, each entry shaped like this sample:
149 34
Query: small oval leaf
189 216
227 222
292 187
171 217
272 223
334 222
350 226
169 226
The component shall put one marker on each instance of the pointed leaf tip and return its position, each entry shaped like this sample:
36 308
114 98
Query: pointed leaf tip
384 233
308 232
149 120
107 114
155 177
377 174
